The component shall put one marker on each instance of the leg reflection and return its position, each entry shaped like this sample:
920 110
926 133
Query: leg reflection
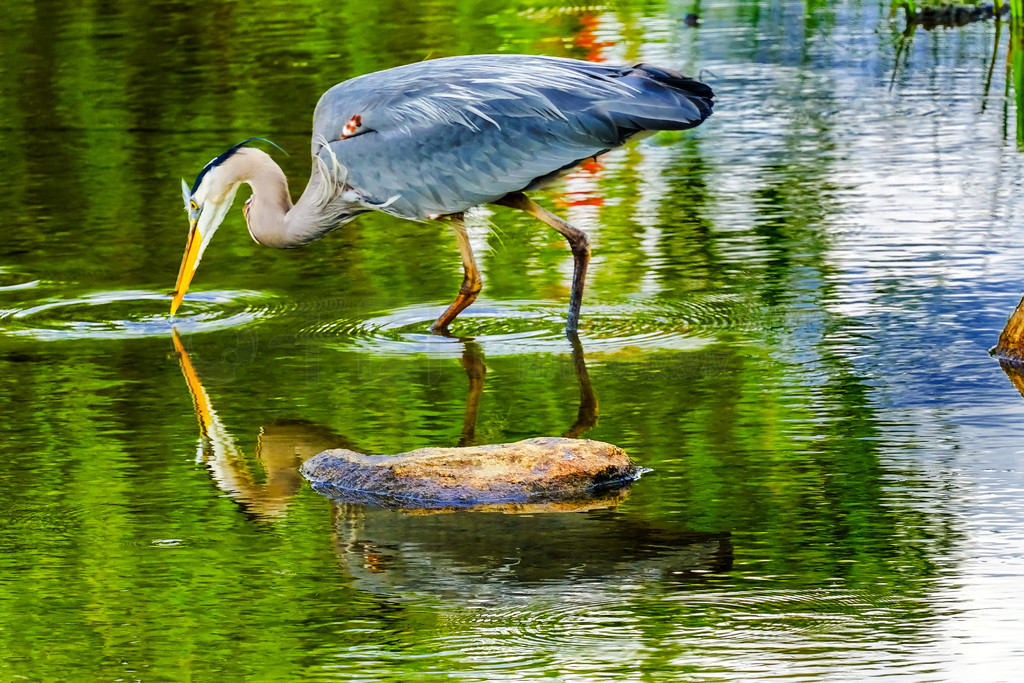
473 362
586 417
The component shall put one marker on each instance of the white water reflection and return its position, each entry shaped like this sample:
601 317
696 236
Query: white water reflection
130 314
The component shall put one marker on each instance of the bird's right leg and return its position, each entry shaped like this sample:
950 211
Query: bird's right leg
578 242
471 282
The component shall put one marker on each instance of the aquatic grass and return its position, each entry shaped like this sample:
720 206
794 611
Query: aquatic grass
1015 66
1014 58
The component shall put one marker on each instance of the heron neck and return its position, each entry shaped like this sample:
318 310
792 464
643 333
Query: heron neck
272 218
270 205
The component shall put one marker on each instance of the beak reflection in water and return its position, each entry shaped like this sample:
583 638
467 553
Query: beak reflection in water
281 447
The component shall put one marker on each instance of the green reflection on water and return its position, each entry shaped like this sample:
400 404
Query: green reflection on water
124 555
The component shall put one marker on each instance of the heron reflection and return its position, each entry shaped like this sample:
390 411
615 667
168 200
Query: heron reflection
471 555
283 445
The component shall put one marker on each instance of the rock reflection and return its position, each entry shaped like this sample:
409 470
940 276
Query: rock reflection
464 557
1014 369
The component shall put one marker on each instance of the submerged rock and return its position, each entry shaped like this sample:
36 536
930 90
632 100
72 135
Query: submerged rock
534 471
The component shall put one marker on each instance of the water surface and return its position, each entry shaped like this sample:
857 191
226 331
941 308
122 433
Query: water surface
787 318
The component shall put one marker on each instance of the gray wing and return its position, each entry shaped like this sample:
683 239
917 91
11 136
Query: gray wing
441 136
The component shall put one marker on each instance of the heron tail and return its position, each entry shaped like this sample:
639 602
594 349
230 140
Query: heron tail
666 100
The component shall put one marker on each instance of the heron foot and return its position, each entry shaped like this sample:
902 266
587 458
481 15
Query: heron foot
467 294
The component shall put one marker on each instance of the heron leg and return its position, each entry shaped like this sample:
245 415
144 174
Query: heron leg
471 282
578 242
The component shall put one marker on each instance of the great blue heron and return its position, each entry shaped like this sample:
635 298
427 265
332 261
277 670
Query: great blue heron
433 139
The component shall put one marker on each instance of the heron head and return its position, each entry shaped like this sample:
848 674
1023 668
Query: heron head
207 203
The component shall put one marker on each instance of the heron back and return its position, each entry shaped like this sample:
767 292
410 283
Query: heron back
441 136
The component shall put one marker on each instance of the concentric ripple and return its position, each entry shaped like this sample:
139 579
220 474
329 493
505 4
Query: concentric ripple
131 314
515 327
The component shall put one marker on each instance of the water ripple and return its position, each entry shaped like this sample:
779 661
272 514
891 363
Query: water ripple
805 630
129 314
514 327
506 327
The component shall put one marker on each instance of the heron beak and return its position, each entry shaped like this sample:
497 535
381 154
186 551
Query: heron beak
189 263
199 233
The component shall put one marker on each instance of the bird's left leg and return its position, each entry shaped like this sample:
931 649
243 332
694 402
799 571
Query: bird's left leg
578 242
471 282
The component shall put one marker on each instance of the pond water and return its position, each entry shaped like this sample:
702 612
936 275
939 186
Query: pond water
787 319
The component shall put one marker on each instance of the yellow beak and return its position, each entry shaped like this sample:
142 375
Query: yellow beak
188 266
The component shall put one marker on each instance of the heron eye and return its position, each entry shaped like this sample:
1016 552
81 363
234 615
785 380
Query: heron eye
193 205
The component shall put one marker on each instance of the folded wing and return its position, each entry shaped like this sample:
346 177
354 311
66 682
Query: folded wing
441 136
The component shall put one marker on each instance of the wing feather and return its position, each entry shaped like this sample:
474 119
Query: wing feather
442 136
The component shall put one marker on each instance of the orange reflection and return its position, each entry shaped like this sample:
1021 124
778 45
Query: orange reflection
586 39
